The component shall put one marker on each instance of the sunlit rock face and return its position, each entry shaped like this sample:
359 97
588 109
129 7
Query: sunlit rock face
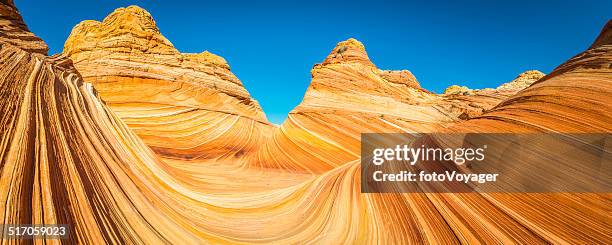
349 95
66 157
185 106
523 81
470 103
574 98
14 31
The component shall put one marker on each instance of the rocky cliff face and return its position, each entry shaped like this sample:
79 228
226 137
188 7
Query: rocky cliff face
69 157
178 103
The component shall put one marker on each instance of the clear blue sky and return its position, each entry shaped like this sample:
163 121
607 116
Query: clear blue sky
271 46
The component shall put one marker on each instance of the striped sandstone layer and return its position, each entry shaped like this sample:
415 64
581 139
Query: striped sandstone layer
14 31
67 157
573 98
179 104
349 95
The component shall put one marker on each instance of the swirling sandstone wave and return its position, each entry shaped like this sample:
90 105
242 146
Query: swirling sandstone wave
68 157
349 95
574 98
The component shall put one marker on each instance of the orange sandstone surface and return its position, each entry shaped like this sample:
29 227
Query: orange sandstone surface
130 141
178 103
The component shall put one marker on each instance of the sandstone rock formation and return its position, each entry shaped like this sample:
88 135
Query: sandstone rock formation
470 103
574 98
69 156
349 95
456 89
14 30
523 81
178 103
67 159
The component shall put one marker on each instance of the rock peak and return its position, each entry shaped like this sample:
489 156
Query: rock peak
351 42
456 89
530 73
132 17
605 37
111 33
207 58
349 51
523 80
143 67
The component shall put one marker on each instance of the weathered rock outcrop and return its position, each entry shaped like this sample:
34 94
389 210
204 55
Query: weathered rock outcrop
14 31
470 103
179 104
456 89
523 81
